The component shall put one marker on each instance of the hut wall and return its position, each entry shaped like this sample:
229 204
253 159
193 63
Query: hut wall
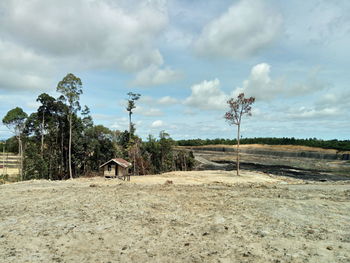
111 172
121 171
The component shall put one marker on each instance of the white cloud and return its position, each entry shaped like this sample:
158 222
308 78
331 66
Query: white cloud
247 27
99 32
163 101
264 88
167 100
335 99
260 85
311 113
77 35
157 124
324 27
120 124
154 75
148 111
19 66
207 95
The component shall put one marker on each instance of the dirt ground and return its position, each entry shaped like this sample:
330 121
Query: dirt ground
206 216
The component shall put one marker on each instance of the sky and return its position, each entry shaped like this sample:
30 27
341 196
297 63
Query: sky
186 58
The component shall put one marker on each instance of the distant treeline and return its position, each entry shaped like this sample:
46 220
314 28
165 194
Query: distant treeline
341 145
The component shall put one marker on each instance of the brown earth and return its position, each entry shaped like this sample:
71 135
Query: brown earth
206 216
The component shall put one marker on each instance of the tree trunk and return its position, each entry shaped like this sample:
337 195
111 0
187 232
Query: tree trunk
129 126
50 169
42 136
70 148
3 159
134 163
237 162
62 170
21 157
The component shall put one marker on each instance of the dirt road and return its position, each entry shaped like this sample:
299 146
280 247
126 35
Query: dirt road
203 217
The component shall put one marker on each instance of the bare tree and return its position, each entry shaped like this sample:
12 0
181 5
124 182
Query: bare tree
238 107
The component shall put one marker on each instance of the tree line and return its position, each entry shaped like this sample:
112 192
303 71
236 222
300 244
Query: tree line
341 145
60 140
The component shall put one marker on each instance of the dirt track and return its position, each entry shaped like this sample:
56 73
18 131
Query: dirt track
219 218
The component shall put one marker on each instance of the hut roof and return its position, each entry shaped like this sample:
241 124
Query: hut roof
118 161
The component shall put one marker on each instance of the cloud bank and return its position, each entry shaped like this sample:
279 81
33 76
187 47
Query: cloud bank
246 28
43 37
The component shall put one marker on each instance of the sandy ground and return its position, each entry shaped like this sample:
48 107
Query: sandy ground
203 216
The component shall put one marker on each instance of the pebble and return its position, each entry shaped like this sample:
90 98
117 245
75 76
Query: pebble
262 233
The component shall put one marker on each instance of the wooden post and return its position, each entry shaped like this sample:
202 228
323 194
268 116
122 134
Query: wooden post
7 157
3 159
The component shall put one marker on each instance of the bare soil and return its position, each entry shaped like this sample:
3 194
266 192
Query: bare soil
203 216
301 162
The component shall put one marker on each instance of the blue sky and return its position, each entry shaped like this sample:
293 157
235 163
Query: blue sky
186 58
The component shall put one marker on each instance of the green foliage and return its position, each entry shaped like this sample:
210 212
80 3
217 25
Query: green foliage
11 145
341 145
35 166
71 89
15 120
131 101
4 177
163 157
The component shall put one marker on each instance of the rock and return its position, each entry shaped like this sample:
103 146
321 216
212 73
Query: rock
310 231
205 234
219 220
187 244
262 233
330 248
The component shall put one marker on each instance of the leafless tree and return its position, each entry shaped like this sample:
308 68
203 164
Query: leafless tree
238 107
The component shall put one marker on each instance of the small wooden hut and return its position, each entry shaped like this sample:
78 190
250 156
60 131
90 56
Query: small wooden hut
116 167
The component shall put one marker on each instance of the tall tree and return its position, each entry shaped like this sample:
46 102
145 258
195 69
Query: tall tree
15 121
71 89
131 105
237 109
44 112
